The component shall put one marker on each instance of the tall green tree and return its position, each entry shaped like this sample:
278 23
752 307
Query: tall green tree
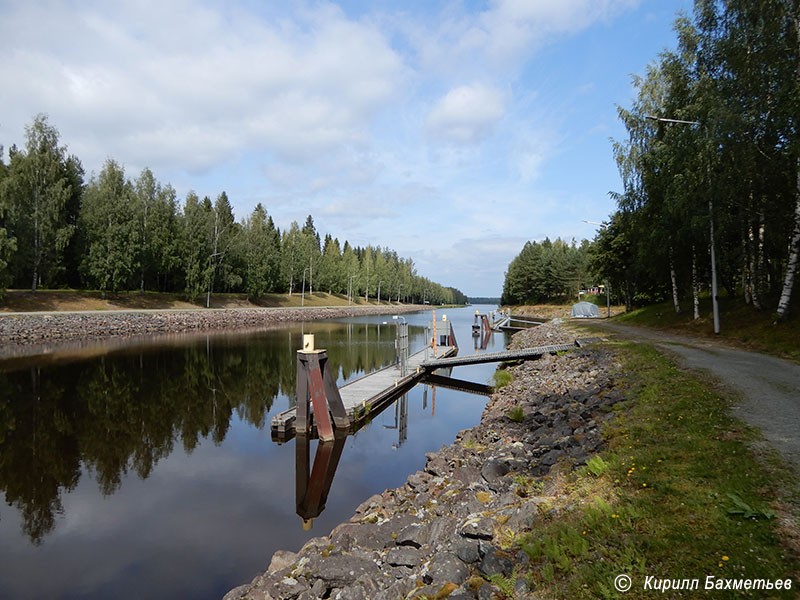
36 190
793 108
292 259
224 231
146 189
330 268
309 250
164 231
111 227
8 244
196 246
262 254
367 278
350 269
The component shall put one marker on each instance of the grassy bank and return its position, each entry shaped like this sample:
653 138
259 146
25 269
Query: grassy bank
678 494
740 324
562 311
64 300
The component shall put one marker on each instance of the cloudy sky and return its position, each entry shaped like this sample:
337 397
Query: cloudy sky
451 132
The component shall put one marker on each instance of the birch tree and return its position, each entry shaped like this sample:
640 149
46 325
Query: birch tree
111 230
794 244
262 254
37 188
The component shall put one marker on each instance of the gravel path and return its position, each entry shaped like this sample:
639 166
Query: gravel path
767 388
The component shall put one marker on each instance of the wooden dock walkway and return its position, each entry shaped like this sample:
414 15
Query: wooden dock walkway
524 354
367 395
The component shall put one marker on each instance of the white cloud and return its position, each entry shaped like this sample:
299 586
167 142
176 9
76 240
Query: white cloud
182 86
437 113
499 39
466 114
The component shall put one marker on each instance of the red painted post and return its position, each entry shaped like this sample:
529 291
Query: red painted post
315 382
317 389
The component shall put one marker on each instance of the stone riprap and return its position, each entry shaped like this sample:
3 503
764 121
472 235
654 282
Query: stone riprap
449 527
25 329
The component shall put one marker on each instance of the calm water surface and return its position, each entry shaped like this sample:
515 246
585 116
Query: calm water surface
149 471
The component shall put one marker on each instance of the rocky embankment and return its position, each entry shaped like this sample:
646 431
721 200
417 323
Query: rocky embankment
23 329
455 524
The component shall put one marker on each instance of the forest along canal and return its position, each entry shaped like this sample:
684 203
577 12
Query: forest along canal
148 471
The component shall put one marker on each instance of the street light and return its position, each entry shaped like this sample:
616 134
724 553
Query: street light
714 303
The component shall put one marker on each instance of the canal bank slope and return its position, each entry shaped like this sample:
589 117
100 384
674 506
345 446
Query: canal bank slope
452 527
21 329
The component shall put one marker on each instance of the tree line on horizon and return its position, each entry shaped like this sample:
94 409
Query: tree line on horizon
548 271
116 234
712 150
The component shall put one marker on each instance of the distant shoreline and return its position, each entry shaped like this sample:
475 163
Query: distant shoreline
22 330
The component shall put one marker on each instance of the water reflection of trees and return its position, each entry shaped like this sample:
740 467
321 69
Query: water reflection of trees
125 411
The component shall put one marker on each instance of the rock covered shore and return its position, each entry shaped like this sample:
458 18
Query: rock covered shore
452 526
41 328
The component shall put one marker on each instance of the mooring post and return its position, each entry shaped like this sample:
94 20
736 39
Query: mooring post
315 383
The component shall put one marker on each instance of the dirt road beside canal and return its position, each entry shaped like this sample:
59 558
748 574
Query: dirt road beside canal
766 389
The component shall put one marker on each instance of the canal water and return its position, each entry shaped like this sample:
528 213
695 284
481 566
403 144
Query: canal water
148 470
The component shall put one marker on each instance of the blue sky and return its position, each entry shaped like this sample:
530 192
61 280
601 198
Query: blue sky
451 132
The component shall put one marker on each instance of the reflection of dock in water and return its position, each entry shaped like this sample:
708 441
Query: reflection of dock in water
313 483
400 420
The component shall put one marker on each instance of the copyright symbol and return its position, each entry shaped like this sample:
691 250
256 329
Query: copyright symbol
622 583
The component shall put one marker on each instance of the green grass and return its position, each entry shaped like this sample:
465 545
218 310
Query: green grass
56 300
501 378
678 494
740 324
516 414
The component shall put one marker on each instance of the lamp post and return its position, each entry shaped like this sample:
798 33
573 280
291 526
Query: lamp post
714 303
